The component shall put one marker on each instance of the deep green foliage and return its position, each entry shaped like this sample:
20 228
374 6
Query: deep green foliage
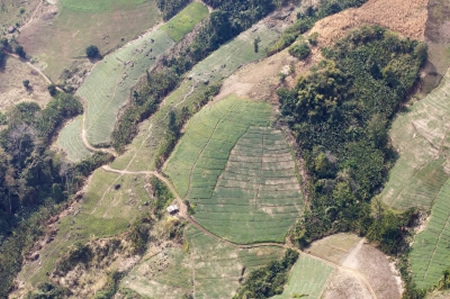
79 254
169 8
52 89
268 281
20 51
300 50
48 290
92 51
140 233
162 197
306 21
340 115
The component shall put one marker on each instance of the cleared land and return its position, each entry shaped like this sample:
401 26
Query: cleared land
210 269
184 21
71 142
107 24
430 254
104 211
142 152
13 12
202 153
257 197
420 135
12 91
308 279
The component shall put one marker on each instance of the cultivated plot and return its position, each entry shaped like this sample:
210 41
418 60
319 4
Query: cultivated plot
308 278
210 269
421 136
70 140
142 152
430 254
257 198
202 153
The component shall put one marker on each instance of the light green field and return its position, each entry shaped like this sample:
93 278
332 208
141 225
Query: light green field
211 269
71 142
142 152
103 212
202 153
185 21
430 254
421 137
108 24
257 198
308 278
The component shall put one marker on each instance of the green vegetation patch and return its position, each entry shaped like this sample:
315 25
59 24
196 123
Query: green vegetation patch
209 268
308 279
257 198
430 254
420 134
70 140
143 151
185 21
203 151
98 5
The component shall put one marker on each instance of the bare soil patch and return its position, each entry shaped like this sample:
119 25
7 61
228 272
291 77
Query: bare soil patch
12 90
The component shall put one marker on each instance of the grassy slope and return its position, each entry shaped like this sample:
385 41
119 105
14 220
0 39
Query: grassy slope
420 134
107 24
257 198
220 64
103 212
430 254
202 152
70 140
307 278
211 269
184 21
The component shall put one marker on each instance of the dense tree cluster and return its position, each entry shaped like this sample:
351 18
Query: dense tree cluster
169 8
340 115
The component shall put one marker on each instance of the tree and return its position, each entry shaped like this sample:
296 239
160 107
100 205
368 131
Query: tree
92 51
20 51
52 89
301 51
26 83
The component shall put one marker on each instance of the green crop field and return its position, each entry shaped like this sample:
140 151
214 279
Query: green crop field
420 134
211 269
185 21
257 198
142 152
430 254
71 141
105 210
106 23
203 151
307 279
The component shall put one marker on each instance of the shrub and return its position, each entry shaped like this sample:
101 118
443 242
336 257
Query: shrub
20 51
301 51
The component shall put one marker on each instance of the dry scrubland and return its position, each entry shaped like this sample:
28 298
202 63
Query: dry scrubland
13 13
12 91
59 33
207 268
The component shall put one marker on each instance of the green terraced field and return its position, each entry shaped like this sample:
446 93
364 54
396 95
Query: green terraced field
308 279
104 211
142 152
202 153
185 21
420 134
257 198
211 269
430 254
72 142
98 5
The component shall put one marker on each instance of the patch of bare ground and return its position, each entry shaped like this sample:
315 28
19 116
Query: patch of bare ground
342 285
353 252
12 90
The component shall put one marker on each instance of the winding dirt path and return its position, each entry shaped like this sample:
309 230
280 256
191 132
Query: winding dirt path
183 214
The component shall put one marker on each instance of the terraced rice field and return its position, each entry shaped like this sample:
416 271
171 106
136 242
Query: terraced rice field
421 136
211 269
308 279
430 254
142 152
112 202
257 198
182 23
202 153
68 140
